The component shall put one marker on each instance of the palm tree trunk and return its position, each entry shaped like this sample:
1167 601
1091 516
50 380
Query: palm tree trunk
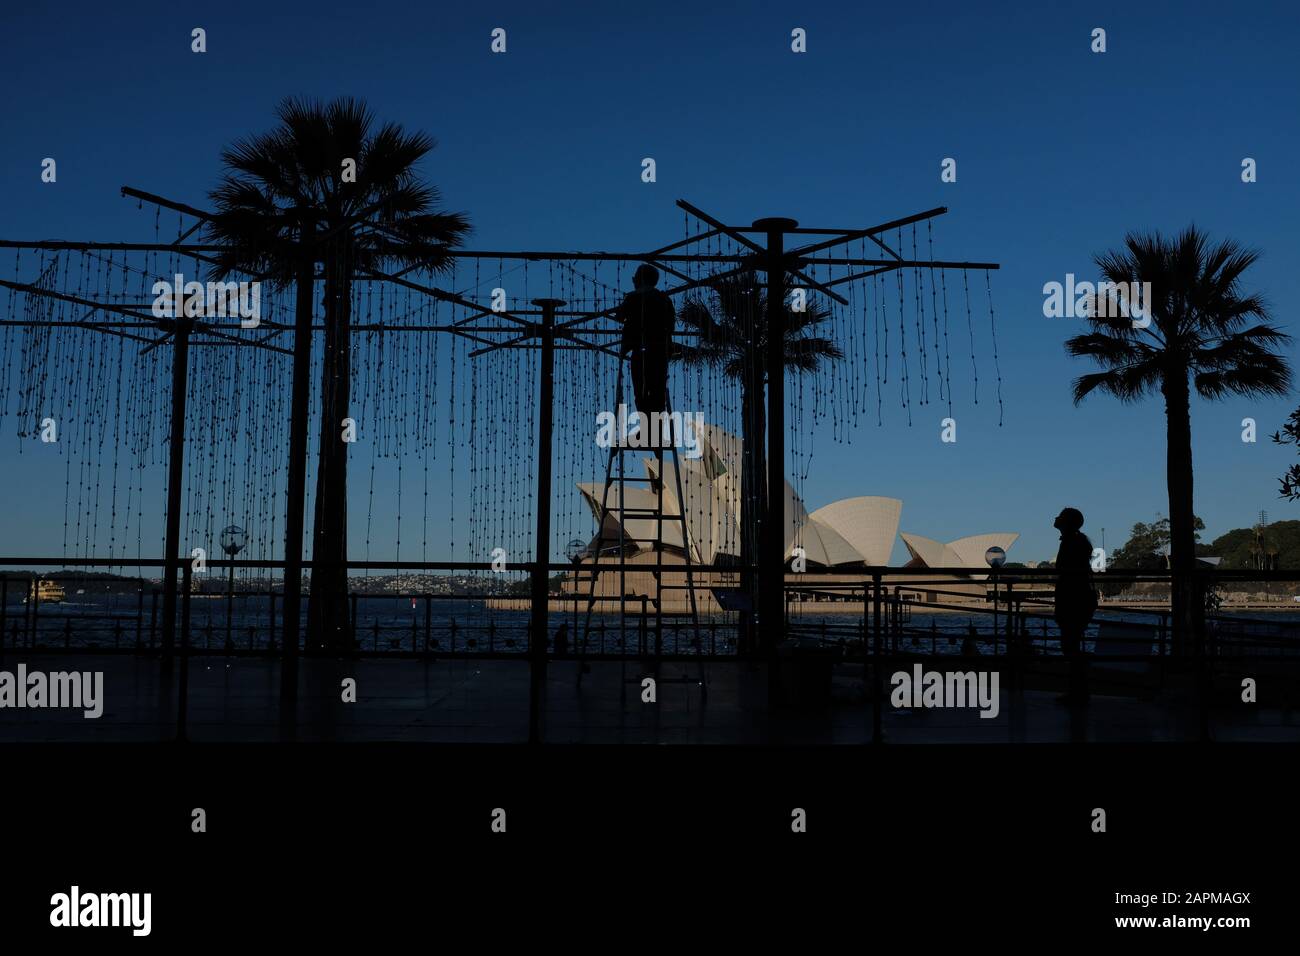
1187 610
328 625
759 444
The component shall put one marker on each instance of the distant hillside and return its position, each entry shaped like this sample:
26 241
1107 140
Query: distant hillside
1236 546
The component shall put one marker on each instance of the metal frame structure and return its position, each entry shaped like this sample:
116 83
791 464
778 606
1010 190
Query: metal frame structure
546 329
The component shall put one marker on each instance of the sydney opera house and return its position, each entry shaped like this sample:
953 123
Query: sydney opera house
842 538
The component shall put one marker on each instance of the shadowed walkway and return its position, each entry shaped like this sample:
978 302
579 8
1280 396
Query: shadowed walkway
465 701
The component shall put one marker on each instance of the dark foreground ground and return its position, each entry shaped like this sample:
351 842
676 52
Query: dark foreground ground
467 701
444 821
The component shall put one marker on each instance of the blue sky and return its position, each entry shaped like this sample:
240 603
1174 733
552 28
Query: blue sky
1060 152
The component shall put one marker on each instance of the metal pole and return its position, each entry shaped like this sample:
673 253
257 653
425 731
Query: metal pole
182 697
542 559
995 610
772 537
296 486
230 602
876 683
175 472
428 621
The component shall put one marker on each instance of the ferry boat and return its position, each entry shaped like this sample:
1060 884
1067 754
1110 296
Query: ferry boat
45 591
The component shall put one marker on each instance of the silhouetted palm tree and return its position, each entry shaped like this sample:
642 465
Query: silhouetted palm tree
732 335
1199 336
291 181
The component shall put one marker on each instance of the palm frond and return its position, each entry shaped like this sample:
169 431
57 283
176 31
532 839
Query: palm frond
731 327
270 178
1199 311
1128 383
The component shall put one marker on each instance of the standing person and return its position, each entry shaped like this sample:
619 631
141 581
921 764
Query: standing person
648 321
1076 597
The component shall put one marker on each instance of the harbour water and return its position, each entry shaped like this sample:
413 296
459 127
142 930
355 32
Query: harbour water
459 626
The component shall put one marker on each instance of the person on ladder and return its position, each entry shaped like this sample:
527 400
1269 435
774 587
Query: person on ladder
648 319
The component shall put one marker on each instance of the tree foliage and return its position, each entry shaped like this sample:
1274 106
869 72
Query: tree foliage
1290 435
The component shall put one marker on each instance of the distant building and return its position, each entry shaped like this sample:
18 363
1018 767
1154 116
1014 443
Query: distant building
849 535
965 552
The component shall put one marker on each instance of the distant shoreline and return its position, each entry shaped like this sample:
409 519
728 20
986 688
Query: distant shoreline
555 606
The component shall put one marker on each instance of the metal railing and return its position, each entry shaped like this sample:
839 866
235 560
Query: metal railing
872 619
1006 611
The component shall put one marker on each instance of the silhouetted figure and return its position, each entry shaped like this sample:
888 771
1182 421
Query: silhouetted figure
1076 597
648 320
562 640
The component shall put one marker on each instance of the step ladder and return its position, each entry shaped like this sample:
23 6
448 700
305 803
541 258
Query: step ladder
642 603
